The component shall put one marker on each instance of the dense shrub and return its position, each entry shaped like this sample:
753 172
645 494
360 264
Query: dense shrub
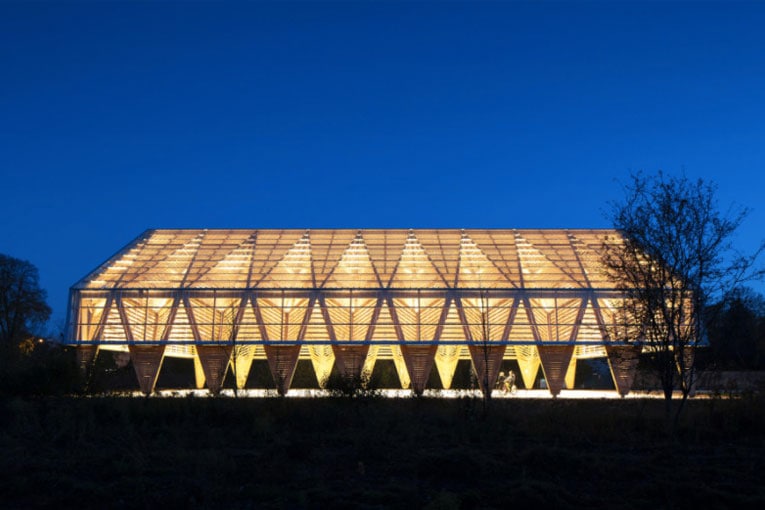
45 369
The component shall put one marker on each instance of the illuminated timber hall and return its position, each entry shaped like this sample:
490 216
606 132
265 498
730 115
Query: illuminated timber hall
346 299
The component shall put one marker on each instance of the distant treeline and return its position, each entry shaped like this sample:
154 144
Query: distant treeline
735 329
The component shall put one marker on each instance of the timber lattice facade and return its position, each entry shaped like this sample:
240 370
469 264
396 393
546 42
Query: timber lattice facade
346 298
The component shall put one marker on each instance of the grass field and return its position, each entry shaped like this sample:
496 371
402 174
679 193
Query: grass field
111 452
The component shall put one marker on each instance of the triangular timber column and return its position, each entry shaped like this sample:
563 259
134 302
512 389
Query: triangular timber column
241 359
528 363
147 360
282 360
369 363
350 359
400 364
447 357
322 359
487 358
85 356
214 360
571 374
419 362
555 362
623 361
199 373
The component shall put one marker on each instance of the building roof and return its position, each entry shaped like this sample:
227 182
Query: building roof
348 258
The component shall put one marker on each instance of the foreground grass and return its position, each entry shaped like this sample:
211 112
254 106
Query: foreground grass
348 453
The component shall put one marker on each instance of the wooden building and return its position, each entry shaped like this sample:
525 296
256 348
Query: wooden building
423 298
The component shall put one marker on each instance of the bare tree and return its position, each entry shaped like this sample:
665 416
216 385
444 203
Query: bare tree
488 385
675 254
484 351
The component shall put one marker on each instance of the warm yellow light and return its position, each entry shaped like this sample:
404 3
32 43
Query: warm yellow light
390 286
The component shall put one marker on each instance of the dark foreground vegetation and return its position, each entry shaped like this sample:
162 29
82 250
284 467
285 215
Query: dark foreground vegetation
111 452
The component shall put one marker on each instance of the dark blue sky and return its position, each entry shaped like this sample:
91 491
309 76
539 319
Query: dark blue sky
115 118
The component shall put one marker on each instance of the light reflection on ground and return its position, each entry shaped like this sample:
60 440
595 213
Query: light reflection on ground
394 393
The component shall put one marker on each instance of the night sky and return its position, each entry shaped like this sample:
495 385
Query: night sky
115 118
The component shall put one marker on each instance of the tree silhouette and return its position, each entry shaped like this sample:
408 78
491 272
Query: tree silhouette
674 255
23 309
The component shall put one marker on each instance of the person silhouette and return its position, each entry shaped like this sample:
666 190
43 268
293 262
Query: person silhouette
509 382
